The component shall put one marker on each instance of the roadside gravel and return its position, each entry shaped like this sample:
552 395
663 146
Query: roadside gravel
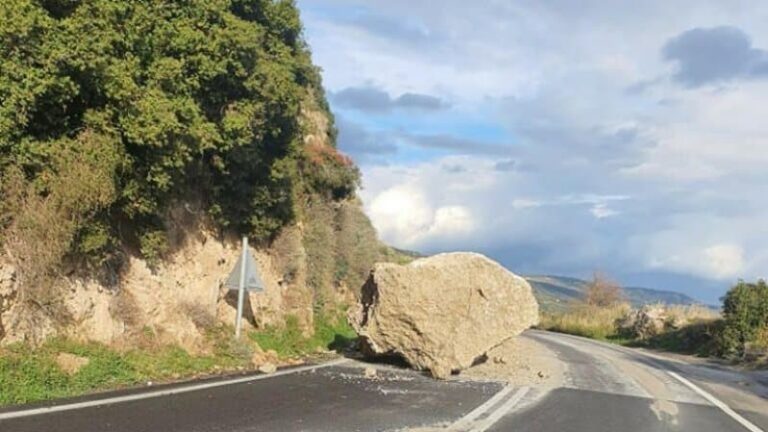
520 361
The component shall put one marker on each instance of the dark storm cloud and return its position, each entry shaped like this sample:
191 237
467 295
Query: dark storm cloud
371 99
708 55
505 165
419 101
361 144
388 27
546 133
455 144
367 146
454 168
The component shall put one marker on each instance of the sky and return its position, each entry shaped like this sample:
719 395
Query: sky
559 137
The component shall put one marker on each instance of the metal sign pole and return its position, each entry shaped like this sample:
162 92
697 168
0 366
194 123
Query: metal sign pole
241 289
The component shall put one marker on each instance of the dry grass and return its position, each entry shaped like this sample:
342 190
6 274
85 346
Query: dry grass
690 314
42 216
586 320
687 329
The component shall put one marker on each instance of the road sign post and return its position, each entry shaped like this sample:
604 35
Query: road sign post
241 288
244 277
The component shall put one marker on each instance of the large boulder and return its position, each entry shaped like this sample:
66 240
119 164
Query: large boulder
444 312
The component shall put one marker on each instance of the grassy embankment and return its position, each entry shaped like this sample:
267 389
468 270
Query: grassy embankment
28 375
739 333
697 336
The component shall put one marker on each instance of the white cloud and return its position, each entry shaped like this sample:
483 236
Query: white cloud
451 221
720 261
612 164
401 215
708 134
725 260
425 207
404 216
524 203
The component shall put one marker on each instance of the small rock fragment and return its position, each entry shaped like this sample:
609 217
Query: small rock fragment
267 368
258 358
370 372
271 356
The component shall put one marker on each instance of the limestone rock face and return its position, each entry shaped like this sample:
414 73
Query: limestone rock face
443 312
175 301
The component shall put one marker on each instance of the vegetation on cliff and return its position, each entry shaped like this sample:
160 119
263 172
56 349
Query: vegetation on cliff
113 113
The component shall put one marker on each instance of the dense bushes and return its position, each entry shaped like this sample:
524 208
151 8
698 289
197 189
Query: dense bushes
745 312
111 113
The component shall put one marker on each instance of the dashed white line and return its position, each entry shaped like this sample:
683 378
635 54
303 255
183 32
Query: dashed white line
718 403
160 393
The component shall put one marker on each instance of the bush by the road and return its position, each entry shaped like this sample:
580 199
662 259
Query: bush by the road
745 311
741 332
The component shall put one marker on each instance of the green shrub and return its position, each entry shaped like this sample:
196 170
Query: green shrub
745 312
98 145
699 338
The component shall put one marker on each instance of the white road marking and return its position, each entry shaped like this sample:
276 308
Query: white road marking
718 403
472 423
465 421
659 361
501 411
160 393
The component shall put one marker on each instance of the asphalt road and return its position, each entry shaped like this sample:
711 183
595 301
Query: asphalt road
611 388
606 388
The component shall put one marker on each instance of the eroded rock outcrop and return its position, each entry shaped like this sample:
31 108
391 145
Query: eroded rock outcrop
443 312
175 302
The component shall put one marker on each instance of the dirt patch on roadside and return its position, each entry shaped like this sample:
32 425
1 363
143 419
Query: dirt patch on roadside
520 361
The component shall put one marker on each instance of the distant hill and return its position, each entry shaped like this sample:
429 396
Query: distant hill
556 292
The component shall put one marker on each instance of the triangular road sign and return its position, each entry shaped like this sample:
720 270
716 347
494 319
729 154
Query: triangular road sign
253 280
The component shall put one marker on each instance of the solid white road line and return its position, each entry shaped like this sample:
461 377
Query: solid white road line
465 421
160 393
494 416
718 403
472 423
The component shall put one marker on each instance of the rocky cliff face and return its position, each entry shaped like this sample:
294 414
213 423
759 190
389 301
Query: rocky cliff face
125 184
318 261
180 298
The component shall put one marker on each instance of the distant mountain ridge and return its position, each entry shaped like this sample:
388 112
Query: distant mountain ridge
556 292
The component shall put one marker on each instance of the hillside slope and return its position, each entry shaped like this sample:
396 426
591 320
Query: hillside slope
556 292
138 142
